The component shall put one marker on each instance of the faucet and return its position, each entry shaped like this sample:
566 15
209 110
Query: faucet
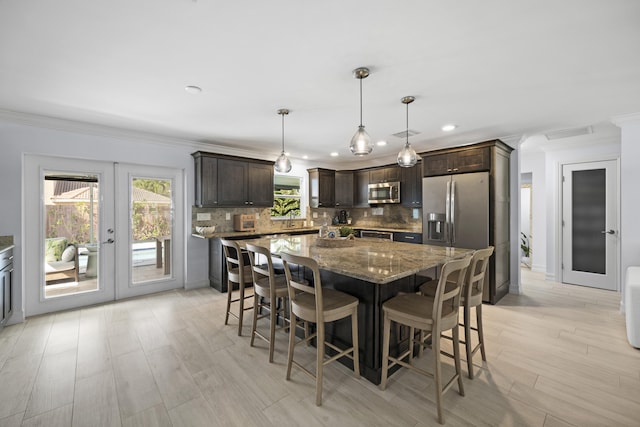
290 221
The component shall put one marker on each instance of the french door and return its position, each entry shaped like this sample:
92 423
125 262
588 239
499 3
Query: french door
590 224
98 231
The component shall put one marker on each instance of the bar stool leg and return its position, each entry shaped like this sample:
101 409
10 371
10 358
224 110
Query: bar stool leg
467 339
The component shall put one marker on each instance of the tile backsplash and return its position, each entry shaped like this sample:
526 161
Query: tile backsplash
386 216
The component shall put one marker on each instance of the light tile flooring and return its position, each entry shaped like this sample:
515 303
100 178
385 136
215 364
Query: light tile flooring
557 356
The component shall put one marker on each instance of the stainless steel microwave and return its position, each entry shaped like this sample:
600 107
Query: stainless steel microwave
384 192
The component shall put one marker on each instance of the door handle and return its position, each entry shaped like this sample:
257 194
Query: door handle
109 241
608 232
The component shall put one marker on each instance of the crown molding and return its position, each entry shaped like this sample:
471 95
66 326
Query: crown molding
75 126
626 119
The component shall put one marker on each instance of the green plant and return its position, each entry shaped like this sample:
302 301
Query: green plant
345 231
524 244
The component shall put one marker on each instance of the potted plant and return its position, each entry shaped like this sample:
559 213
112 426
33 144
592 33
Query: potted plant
526 250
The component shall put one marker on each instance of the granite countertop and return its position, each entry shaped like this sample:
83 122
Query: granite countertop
257 233
390 229
372 260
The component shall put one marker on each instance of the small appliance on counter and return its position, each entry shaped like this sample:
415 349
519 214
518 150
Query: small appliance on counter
244 222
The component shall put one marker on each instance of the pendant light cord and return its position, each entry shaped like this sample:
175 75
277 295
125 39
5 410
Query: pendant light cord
407 123
360 101
283 132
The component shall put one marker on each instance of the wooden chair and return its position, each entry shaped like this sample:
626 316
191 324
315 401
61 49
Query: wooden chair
269 292
433 315
237 274
471 297
318 305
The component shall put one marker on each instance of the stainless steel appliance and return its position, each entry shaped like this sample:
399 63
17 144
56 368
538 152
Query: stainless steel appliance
455 211
384 192
372 234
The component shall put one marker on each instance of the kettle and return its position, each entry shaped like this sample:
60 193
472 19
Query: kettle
342 217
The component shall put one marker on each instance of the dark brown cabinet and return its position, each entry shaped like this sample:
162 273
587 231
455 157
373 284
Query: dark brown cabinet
6 280
344 189
361 188
456 160
407 237
322 187
206 172
385 174
232 181
411 186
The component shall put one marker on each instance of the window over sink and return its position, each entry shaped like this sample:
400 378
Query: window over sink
287 197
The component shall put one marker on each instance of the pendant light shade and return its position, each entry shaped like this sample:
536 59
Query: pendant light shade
361 142
283 164
407 156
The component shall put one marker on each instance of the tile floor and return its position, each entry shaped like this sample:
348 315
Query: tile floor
557 356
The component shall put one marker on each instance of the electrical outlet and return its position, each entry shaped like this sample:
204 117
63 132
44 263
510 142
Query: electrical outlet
257 215
227 216
315 214
203 216
324 214
365 214
416 213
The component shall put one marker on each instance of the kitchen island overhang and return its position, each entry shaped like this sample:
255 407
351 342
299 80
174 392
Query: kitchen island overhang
371 270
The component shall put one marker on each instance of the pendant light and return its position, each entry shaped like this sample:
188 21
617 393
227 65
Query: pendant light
361 143
407 156
283 164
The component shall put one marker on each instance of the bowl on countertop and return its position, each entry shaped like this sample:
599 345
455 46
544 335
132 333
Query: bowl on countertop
205 230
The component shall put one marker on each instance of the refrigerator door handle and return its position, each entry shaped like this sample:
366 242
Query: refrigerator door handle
453 212
447 219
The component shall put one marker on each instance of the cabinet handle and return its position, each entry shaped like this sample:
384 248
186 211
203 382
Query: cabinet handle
409 237
455 169
449 170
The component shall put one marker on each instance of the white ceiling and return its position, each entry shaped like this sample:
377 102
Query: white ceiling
498 69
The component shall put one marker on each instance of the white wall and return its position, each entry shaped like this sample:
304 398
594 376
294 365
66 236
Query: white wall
18 139
534 163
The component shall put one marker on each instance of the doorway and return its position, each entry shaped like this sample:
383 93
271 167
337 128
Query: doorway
92 227
590 224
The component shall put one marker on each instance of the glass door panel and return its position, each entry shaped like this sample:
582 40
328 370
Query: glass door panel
151 220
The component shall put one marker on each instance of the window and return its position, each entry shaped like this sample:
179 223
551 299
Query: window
286 197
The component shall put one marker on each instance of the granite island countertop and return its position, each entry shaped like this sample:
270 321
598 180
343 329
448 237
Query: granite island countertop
372 260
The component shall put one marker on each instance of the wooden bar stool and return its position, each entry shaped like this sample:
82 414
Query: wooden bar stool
237 274
471 297
270 293
432 315
319 305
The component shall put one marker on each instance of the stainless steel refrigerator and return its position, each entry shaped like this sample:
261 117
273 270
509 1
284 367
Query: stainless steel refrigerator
455 211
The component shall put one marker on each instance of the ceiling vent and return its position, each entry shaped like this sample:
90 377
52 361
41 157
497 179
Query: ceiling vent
404 133
568 133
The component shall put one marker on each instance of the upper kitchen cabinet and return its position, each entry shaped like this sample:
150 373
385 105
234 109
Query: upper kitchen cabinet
322 188
232 181
385 174
361 188
457 160
206 185
245 183
344 189
411 186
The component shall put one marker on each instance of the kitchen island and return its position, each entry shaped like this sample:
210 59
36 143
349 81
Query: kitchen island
374 271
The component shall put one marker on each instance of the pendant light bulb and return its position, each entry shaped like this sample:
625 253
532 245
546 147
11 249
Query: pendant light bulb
361 142
283 164
407 156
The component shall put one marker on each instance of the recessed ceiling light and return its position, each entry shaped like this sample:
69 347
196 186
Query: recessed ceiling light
305 157
334 154
381 143
193 89
449 127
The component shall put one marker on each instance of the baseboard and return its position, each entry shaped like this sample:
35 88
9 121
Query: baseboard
196 285
515 289
550 277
